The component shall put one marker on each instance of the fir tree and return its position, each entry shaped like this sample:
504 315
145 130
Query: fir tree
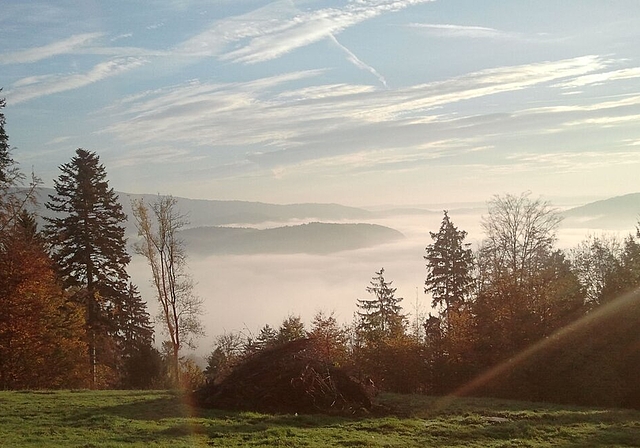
5 154
134 322
88 244
380 318
449 268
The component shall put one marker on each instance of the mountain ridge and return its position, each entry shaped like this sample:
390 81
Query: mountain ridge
209 231
617 212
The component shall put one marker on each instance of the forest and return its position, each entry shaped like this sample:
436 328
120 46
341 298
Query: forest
516 318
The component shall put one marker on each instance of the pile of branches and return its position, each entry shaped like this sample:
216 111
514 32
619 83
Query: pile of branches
288 378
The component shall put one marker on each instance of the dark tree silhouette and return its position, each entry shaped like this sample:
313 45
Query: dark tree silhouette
380 317
87 239
449 268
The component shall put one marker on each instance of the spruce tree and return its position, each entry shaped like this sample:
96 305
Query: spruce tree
449 268
380 318
15 195
88 244
5 154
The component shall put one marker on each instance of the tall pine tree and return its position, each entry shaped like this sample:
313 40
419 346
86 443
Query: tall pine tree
88 244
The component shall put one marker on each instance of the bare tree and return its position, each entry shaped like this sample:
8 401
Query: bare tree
595 261
159 225
520 233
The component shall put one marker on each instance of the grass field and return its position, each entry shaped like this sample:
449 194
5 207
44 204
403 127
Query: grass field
160 418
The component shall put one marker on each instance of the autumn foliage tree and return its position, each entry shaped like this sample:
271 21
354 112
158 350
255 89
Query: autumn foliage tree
518 245
330 339
42 339
42 334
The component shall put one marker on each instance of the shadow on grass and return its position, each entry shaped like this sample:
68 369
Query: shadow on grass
168 419
144 409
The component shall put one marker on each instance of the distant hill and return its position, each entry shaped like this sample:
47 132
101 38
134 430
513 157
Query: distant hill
312 238
209 220
203 212
617 213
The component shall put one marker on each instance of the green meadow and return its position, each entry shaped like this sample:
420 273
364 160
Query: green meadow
160 418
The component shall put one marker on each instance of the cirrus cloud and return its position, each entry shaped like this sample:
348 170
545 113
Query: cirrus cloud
47 51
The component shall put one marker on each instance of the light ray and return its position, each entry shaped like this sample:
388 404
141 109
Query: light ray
619 305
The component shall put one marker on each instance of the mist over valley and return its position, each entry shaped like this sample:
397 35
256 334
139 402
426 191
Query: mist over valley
256 263
252 274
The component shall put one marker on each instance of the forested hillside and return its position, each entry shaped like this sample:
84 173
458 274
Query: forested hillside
312 238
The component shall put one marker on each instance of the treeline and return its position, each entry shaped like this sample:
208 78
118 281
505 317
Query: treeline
69 315
515 318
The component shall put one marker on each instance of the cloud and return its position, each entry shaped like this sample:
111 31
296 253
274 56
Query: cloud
34 87
633 100
121 36
54 49
155 26
600 78
387 159
154 155
575 162
266 124
462 31
59 140
279 28
607 121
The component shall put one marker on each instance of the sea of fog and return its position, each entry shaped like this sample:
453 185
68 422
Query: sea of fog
245 292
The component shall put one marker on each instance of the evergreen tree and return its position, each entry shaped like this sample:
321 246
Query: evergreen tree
449 268
134 322
14 197
380 317
291 329
135 340
88 244
267 338
6 162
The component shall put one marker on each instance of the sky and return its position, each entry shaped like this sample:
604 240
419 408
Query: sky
359 102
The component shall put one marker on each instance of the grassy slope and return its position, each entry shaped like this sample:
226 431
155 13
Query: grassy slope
115 419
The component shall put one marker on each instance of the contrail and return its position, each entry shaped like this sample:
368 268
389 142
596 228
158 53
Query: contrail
357 62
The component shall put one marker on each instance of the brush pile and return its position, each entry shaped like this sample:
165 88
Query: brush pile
288 378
